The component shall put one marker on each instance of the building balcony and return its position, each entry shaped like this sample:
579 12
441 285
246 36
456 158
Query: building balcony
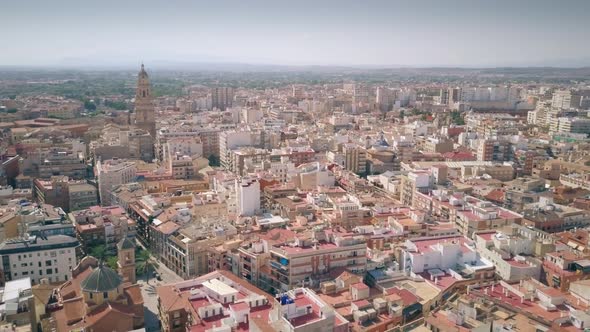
279 267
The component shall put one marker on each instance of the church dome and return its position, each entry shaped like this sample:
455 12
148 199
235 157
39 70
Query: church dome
102 279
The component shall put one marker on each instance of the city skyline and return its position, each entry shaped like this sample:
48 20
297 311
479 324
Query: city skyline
327 33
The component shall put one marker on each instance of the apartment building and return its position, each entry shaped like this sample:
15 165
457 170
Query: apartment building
348 212
494 150
305 261
469 214
355 158
102 226
575 180
112 173
247 196
438 145
186 250
61 162
216 300
222 97
209 204
38 257
70 195
512 250
310 176
574 125
186 146
302 310
550 217
240 157
414 182
437 254
81 195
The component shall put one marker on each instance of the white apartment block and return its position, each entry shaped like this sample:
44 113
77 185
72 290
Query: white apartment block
111 173
185 146
39 257
248 196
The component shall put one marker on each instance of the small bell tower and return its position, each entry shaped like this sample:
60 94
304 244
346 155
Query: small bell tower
126 260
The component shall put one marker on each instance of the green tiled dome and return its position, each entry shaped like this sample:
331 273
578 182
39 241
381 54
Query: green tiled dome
102 279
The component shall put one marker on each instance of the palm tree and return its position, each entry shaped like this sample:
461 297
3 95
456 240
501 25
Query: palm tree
102 255
144 262
99 252
112 262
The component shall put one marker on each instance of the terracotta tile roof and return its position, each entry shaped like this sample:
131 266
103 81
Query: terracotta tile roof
74 310
496 195
71 288
133 293
407 297
171 299
42 292
108 318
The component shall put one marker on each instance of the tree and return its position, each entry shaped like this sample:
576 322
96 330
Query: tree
99 252
118 105
89 105
456 118
214 161
144 262
112 262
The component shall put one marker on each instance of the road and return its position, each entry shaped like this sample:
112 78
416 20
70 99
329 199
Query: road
150 297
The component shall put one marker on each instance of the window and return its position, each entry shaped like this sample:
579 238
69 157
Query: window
39 264
49 271
105 295
40 272
90 295
48 263
55 270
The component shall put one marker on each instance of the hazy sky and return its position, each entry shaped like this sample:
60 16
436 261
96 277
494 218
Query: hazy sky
297 32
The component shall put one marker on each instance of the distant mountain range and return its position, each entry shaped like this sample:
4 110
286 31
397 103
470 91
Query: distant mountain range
579 66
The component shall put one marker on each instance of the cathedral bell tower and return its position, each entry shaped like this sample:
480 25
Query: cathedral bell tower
144 108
